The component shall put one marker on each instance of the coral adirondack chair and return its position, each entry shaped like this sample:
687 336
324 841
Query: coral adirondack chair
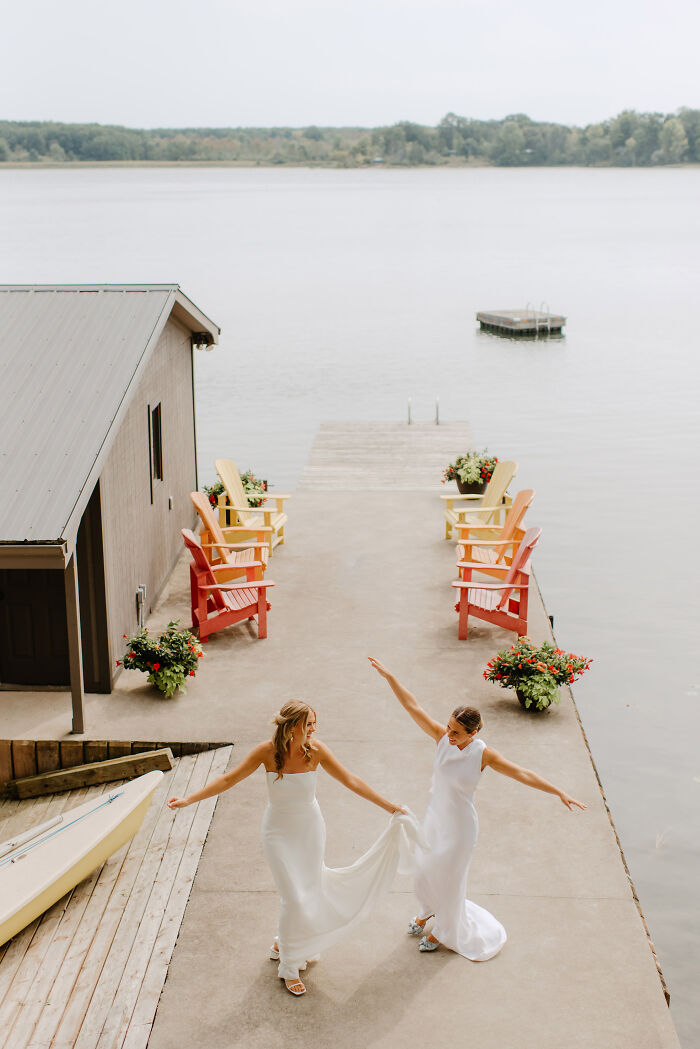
492 506
503 604
493 547
249 516
236 557
217 605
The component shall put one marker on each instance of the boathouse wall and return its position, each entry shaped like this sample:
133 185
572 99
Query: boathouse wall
142 513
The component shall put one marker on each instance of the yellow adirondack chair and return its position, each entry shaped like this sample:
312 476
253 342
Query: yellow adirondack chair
494 547
247 516
250 550
492 506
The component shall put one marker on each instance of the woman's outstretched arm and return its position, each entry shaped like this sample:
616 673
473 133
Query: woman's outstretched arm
492 759
333 767
409 702
229 779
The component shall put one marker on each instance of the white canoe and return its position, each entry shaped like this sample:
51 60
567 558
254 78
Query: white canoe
39 867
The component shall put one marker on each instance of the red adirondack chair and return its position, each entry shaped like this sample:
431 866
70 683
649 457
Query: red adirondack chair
218 605
496 602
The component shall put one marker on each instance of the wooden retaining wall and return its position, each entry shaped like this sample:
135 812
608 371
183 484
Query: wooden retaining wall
30 757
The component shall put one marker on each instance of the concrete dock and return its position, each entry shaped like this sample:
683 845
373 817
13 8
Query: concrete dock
365 570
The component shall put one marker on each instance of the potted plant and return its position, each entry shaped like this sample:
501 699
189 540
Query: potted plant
472 472
535 672
168 659
253 487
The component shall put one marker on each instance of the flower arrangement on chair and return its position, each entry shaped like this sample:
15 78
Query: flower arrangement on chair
535 671
168 659
474 468
253 487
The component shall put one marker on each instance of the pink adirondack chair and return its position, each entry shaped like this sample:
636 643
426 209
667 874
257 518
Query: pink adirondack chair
494 547
217 605
503 604
221 549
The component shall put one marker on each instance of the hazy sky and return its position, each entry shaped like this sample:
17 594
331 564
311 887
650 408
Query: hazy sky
167 63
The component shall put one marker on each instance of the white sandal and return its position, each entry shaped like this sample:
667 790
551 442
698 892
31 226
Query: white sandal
291 984
415 928
274 952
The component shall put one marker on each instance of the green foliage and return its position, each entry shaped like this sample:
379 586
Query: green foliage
253 487
168 659
535 671
629 139
472 468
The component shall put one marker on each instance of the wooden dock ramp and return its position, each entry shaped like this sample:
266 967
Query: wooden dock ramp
88 974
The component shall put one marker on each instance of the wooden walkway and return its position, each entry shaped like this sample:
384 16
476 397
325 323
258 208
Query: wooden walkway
88 974
376 456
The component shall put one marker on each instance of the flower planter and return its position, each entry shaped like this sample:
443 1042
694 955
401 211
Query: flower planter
474 488
532 709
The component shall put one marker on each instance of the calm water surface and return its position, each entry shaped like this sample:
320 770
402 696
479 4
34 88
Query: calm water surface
341 294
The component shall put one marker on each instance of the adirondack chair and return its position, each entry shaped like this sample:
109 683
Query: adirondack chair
498 603
236 501
492 547
492 506
217 605
236 557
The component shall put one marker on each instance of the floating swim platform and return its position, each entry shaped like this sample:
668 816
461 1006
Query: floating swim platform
521 322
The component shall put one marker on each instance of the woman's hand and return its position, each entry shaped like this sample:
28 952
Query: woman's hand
570 802
178 803
404 812
378 667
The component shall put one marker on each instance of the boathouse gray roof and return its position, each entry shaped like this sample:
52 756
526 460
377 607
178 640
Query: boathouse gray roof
70 357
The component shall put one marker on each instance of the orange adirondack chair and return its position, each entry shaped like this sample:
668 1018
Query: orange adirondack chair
492 547
496 602
250 550
216 605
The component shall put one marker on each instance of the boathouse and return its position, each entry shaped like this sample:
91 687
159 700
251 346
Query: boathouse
97 460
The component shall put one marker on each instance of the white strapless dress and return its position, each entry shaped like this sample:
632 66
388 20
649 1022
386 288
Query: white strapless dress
320 904
450 829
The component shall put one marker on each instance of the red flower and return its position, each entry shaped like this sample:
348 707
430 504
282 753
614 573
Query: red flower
199 655
119 662
156 666
191 673
132 655
499 675
124 636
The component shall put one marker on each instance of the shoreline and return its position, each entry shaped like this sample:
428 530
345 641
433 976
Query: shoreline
23 165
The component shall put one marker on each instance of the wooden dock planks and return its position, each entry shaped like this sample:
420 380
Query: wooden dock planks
89 972
383 456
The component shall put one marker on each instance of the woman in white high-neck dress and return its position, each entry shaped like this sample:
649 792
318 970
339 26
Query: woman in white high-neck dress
318 904
450 829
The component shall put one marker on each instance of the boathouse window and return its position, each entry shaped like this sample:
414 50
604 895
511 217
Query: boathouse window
155 444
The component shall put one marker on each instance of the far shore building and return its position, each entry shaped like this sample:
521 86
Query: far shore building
97 460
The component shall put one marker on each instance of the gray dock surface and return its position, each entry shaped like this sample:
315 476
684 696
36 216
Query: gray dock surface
366 571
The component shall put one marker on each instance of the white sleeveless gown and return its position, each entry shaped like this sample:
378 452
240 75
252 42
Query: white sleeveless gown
451 828
320 904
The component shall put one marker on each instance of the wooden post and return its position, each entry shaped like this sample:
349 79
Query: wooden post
75 647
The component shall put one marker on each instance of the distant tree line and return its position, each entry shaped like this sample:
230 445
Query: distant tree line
629 140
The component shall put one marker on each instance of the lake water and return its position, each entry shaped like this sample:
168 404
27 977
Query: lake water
342 294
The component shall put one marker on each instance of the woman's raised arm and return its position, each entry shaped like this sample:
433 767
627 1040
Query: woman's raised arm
409 702
229 779
333 767
492 759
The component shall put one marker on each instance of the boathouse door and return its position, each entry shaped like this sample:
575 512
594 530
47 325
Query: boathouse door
33 631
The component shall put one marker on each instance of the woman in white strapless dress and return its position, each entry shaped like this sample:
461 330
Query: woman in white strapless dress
450 829
318 904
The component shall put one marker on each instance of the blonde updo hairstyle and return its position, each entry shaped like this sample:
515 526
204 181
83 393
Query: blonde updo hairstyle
293 714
